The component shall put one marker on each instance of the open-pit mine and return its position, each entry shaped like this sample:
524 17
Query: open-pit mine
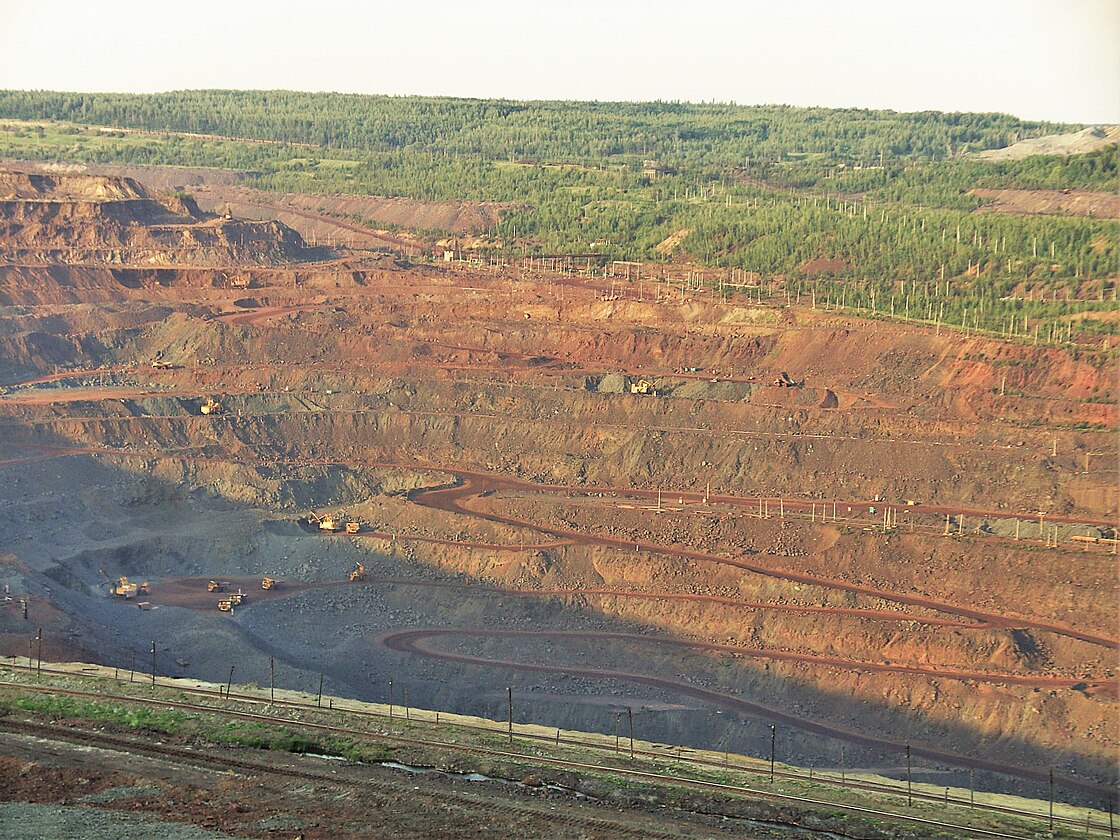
737 522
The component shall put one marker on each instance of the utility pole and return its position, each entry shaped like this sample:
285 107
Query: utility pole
509 689
773 740
153 664
1051 800
909 789
272 679
229 683
630 719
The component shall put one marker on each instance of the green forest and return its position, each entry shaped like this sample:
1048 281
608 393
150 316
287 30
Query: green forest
880 199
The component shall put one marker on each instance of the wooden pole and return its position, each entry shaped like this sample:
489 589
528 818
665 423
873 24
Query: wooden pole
630 719
773 740
909 789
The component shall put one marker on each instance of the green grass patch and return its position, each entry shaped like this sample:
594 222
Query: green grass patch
66 707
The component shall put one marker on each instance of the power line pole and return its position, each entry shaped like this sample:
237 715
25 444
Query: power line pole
630 718
909 789
773 739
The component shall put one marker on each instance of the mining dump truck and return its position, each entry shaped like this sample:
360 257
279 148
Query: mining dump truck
268 583
359 572
225 605
353 526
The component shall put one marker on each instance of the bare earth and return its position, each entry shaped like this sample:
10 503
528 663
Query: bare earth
883 554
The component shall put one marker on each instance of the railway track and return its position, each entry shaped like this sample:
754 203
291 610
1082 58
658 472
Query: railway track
387 790
654 753
229 762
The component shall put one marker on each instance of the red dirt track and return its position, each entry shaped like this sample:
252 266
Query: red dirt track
452 499
411 642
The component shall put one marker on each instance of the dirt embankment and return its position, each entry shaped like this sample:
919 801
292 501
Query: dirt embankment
451 216
48 219
1078 142
311 215
1097 205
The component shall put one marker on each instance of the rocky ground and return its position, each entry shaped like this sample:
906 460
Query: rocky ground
803 529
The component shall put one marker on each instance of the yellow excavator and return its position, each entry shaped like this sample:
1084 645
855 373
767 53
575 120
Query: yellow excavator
359 572
329 522
211 406
122 587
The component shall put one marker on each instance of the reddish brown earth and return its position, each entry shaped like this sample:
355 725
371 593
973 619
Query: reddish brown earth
1099 205
346 218
539 525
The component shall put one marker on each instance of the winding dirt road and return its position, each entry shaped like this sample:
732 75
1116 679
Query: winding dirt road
453 499
413 642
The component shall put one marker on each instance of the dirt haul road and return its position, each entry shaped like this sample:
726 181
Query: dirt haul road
412 642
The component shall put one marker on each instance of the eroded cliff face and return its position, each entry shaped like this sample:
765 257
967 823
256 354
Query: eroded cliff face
70 219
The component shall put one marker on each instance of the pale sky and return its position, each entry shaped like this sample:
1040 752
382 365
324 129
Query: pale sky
1037 59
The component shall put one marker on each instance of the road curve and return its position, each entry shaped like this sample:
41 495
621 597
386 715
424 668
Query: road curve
1031 681
412 642
452 499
